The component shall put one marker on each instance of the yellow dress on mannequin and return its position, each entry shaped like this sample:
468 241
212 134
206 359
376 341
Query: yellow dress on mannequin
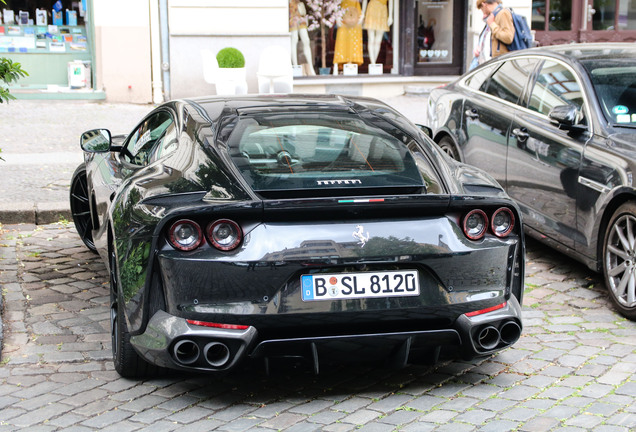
349 35
376 16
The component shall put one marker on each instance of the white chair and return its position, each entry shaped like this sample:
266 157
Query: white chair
210 66
275 73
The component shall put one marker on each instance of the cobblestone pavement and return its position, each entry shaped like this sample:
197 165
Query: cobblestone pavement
574 368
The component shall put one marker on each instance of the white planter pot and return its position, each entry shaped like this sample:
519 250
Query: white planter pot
231 81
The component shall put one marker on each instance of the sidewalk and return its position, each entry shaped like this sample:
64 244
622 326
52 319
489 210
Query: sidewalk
40 148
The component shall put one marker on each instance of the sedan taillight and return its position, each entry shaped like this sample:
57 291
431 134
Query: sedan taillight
185 235
475 223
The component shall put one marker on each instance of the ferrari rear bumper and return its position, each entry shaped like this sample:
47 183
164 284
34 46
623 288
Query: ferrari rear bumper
173 342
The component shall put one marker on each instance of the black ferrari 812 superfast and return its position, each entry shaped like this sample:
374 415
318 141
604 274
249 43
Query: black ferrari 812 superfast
260 227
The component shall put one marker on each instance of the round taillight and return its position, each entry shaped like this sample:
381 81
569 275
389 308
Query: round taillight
503 221
475 224
185 235
224 234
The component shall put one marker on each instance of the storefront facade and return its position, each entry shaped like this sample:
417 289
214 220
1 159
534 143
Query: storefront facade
423 39
150 51
562 21
44 37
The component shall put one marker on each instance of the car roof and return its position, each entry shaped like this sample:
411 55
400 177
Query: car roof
283 101
586 51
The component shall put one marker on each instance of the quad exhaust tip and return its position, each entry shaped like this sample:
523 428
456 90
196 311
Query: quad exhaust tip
490 337
214 354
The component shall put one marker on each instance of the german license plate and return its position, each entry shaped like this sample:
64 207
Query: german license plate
359 285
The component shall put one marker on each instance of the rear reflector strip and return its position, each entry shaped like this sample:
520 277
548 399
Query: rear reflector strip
483 311
361 201
217 325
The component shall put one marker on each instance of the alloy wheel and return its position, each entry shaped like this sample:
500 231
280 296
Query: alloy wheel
80 207
448 146
620 260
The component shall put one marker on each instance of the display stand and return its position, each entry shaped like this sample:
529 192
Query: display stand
376 69
350 69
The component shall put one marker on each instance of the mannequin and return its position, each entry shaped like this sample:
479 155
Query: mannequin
349 36
377 20
298 29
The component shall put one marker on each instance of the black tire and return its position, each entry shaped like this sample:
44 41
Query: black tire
127 362
80 207
448 146
619 259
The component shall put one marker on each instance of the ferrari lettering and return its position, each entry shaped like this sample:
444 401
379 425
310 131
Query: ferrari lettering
338 182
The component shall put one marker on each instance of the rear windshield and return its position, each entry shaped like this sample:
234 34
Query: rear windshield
321 151
614 82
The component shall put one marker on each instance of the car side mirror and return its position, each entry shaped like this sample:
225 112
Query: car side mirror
565 117
96 141
426 130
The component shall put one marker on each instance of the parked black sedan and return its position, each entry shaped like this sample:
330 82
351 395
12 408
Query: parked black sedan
272 226
556 126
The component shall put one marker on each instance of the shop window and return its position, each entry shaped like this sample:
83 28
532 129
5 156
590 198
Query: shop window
559 15
435 32
342 36
603 18
43 26
627 15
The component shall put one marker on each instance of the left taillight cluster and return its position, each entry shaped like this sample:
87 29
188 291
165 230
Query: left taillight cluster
187 235
476 223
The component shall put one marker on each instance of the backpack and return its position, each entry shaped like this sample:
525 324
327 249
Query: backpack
523 36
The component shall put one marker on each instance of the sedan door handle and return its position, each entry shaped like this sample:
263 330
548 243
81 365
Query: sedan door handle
521 134
471 113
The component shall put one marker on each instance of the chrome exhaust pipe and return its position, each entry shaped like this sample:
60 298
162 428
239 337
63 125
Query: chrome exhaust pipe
510 332
217 354
186 352
488 337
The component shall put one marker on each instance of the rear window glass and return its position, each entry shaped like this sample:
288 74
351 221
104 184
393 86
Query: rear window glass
614 82
320 151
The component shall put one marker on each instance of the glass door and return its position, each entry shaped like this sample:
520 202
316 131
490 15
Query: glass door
556 21
434 32
609 21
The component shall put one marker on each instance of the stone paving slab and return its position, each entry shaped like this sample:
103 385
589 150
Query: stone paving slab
574 368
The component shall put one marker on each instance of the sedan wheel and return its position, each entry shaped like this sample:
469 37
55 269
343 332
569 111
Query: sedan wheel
448 146
619 259
80 207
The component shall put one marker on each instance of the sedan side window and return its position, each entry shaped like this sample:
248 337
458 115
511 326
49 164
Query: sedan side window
142 141
509 81
555 86
480 78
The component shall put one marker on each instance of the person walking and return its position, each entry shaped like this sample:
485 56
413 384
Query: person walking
502 29
482 51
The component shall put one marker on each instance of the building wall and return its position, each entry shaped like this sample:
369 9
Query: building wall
197 25
122 47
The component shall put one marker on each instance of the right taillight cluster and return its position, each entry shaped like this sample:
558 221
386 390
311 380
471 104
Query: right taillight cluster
475 223
187 235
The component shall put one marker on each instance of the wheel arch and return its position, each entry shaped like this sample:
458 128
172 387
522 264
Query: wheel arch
443 133
609 211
